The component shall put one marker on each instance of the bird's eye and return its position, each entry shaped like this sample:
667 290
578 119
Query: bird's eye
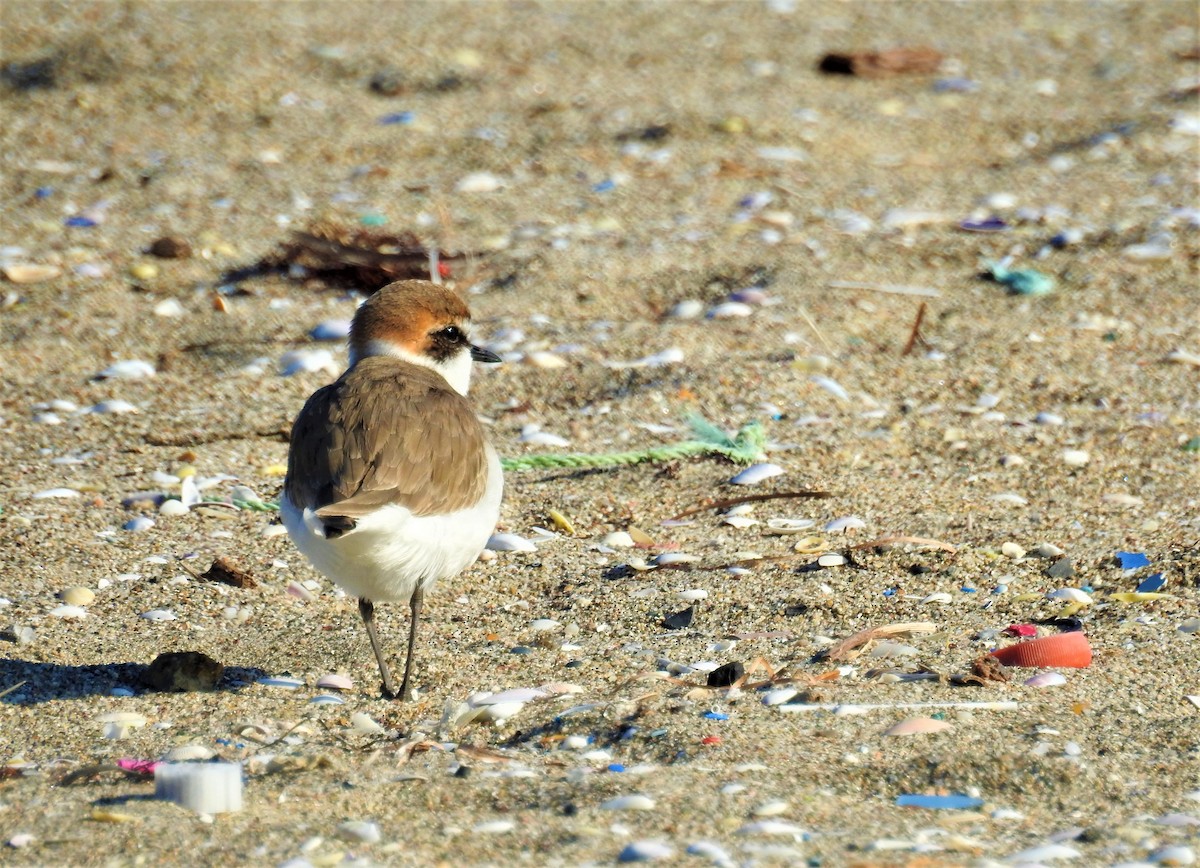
453 334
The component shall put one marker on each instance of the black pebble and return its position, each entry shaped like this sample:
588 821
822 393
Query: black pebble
723 676
680 619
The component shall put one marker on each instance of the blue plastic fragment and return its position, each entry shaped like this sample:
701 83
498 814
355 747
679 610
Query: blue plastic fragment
80 222
953 802
1132 560
716 715
658 733
890 592
1151 584
1022 281
397 118
987 224
604 186
43 192
616 768
1000 589
967 590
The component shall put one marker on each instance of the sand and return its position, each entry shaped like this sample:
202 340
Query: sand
630 147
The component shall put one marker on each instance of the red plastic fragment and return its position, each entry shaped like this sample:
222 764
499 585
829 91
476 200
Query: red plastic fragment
1023 630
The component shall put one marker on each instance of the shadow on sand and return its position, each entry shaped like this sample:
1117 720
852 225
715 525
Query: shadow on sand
43 682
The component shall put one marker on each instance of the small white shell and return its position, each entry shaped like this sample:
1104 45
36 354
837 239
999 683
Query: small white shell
918 726
731 310
361 831
129 369
1044 853
688 308
364 723
56 493
692 595
534 435
1046 679
1012 550
185 752
618 539
1073 595
771 809
739 521
779 695
846 522
756 473
938 597
666 559
494 827
646 851
771 827
334 681
1009 498
331 330
306 362
632 802
158 615
113 405
545 360
504 697
1075 457
138 523
479 182
831 560
171 508
509 542
783 526
544 625
72 613
831 386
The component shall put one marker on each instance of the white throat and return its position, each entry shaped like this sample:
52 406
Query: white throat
456 370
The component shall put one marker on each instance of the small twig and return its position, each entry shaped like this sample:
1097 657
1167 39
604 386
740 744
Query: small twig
915 540
750 498
8 690
915 334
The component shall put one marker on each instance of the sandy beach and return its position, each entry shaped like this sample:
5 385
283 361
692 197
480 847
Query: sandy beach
654 210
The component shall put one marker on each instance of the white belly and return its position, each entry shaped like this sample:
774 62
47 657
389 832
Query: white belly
391 552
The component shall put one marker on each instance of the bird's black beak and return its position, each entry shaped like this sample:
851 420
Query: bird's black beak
479 354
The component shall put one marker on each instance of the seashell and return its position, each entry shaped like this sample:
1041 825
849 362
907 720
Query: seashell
1177 854
918 726
544 625
1183 357
130 369
509 542
1070 650
771 827
831 560
938 597
784 526
887 649
364 723
633 802
359 831
545 360
560 688
646 851
479 182
618 539
1009 498
306 362
137 524
172 507
730 310
169 307
77 596
1075 457
534 435
1121 499
1044 853
333 681
71 613
667 559
756 473
494 827
158 615
113 405
688 308
712 851
771 809
297 590
30 273
779 695
831 386
1012 550
504 697
847 522
55 493
810 545
739 521
326 699
331 330
185 752
1074 595
1047 550
1046 679
692 595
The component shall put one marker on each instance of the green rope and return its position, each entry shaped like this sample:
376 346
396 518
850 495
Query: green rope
744 448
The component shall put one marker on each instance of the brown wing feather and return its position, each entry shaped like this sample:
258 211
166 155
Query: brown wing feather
389 453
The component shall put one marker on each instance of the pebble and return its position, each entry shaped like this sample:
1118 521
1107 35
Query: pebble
1060 569
172 508
1075 457
1012 550
169 307
31 273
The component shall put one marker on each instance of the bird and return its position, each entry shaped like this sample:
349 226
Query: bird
392 484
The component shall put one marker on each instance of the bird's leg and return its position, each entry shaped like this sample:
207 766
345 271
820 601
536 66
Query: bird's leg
367 609
414 604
